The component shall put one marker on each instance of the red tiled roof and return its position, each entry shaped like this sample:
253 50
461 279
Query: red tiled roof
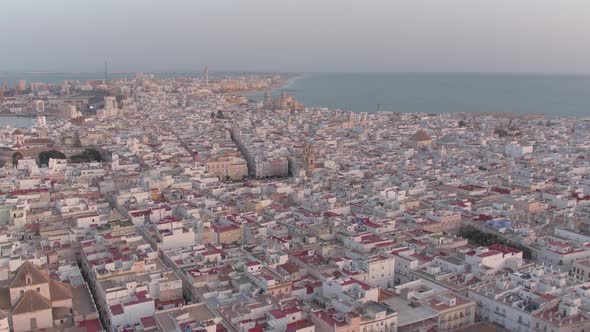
92 325
148 321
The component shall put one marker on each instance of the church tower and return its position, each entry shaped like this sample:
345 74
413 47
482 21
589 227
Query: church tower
310 154
443 151
267 100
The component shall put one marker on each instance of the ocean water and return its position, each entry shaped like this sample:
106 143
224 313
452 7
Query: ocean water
552 95
16 121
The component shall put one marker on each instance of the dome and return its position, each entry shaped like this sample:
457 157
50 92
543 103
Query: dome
421 136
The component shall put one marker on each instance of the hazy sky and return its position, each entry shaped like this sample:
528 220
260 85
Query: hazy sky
297 35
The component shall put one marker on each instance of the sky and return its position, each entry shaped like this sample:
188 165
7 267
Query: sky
540 36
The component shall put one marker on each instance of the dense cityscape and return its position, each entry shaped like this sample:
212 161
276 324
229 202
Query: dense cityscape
181 204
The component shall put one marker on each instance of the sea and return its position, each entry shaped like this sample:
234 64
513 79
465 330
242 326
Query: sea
16 121
551 95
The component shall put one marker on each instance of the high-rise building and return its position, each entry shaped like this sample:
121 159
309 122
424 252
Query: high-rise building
268 105
69 111
110 102
38 106
2 92
22 85
41 121
206 74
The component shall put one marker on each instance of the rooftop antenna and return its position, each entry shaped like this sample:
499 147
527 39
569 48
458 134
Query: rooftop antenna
106 73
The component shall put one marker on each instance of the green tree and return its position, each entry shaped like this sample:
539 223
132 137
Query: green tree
16 157
479 238
93 154
77 141
89 155
46 155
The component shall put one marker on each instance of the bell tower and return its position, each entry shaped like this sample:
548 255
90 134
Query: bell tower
310 155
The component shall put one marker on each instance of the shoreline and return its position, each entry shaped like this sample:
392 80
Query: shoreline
274 87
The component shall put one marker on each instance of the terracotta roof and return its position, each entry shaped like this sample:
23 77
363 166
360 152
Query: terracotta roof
38 276
61 312
59 291
30 302
38 140
421 135
4 298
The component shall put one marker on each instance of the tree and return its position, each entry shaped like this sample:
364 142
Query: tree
480 238
93 154
219 114
16 157
46 155
89 155
77 142
462 124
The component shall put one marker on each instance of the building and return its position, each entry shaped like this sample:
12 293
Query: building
193 317
38 106
21 85
227 234
423 305
69 111
288 103
110 102
518 150
420 139
581 270
233 168
536 299
267 103
310 155
36 301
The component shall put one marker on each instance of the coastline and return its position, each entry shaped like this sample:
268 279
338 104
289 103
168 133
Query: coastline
283 84
521 95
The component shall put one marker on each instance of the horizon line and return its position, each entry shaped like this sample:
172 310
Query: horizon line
199 73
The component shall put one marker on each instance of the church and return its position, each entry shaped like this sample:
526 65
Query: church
34 301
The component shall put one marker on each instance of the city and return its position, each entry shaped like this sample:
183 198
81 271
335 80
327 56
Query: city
181 204
295 166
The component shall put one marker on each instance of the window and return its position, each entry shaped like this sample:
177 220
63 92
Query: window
38 290
28 279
